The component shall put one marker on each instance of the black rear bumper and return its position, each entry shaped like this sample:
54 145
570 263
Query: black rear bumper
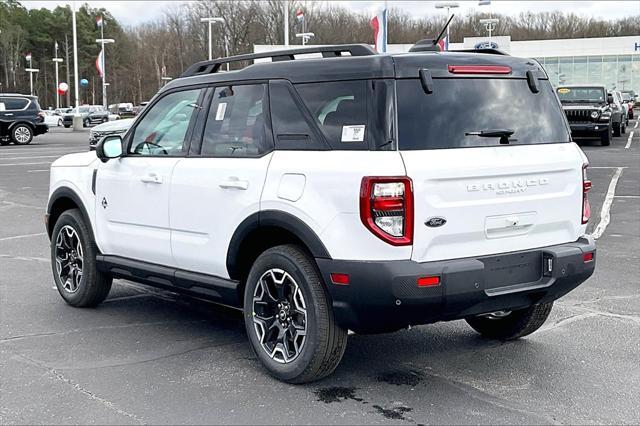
384 296
40 129
589 129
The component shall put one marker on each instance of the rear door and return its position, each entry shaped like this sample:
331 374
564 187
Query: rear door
219 185
478 194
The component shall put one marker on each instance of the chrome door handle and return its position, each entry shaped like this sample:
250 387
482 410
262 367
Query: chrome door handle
8 114
151 178
234 183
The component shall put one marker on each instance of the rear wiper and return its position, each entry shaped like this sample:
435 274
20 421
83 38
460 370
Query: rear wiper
503 134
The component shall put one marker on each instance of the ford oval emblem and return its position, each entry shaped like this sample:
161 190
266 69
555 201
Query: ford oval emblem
435 222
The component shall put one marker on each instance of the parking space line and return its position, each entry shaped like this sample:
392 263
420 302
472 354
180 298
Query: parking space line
629 140
29 158
636 126
25 164
16 237
605 214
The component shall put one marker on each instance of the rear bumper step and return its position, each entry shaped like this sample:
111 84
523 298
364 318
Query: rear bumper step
384 296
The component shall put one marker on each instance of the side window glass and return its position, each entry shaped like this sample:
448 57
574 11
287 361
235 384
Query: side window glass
290 126
14 104
235 123
340 109
163 129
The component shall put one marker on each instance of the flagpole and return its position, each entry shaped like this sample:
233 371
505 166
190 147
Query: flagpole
57 61
30 76
104 64
286 23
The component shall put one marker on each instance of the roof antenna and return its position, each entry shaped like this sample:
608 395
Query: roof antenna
431 45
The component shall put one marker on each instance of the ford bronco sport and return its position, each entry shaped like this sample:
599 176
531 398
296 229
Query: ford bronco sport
343 192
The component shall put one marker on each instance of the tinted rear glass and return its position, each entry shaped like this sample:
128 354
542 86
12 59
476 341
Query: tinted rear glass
15 103
456 107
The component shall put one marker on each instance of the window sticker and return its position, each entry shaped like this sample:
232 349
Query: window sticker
353 133
222 108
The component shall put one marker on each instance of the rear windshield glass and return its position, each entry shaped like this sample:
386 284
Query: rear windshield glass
459 110
581 94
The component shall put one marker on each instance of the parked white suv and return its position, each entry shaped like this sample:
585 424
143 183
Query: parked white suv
341 193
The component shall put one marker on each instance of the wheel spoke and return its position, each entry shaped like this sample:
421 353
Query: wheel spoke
68 257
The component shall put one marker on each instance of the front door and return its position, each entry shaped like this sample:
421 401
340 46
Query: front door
220 184
132 192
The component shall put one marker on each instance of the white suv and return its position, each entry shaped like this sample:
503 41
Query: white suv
354 191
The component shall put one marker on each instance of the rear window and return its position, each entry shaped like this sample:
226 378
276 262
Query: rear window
458 107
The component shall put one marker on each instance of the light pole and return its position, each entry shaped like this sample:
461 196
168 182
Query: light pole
490 25
305 37
103 67
31 70
447 5
57 60
77 120
211 21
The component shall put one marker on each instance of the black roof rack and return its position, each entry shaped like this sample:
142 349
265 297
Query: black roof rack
213 66
487 51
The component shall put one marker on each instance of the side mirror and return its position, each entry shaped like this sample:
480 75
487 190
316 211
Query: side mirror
609 98
109 147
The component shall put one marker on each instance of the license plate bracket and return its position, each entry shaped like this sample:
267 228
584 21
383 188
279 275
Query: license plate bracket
510 269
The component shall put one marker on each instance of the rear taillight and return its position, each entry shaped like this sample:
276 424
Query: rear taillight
586 186
386 208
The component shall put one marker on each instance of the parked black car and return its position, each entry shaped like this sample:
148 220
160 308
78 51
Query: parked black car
91 114
20 119
591 111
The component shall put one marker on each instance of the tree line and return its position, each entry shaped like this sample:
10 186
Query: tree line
145 55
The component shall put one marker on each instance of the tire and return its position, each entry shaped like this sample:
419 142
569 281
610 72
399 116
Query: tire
60 123
514 325
5 142
631 114
320 350
616 129
86 123
93 286
22 134
624 128
66 126
605 138
104 120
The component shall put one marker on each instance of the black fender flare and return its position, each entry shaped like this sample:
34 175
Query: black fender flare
65 192
273 218
26 123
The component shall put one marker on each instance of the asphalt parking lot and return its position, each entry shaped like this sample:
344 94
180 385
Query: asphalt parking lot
149 356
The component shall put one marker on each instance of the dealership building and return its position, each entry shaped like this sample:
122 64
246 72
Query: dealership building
612 61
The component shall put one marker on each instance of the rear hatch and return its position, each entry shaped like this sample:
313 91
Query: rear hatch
493 166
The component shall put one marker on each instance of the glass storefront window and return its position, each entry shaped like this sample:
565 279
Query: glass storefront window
624 72
565 71
595 70
551 67
619 72
610 71
579 70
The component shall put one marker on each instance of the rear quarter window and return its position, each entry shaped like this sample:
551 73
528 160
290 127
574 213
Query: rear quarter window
15 103
340 111
457 107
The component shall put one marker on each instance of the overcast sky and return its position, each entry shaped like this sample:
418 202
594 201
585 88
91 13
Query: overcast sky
132 12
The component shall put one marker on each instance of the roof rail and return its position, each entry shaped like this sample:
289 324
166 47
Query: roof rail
486 51
213 66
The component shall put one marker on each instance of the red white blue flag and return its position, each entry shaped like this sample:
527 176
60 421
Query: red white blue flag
379 24
300 15
444 44
100 63
99 21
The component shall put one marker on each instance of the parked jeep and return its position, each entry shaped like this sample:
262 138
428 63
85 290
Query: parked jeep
591 111
20 119
344 192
